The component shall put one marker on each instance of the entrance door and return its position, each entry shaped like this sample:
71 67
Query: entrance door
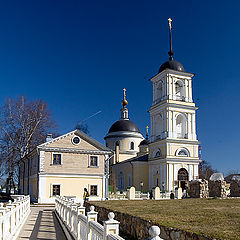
183 178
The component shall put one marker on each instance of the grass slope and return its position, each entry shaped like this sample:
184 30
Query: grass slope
219 218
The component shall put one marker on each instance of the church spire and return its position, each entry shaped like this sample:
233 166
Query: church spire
170 53
124 110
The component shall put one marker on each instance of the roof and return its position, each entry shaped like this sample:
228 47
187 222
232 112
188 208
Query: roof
124 125
143 158
81 135
171 64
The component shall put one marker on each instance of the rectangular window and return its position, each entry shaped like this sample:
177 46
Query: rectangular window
93 190
93 161
57 159
56 190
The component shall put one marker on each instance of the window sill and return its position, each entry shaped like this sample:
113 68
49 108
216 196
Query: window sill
93 166
55 164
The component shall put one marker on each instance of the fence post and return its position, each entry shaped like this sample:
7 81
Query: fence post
111 226
81 209
91 216
3 222
154 232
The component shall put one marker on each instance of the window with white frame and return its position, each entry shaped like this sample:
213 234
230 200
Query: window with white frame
57 159
93 161
132 146
93 190
56 189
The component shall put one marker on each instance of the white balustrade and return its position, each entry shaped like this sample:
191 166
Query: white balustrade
12 216
154 232
81 227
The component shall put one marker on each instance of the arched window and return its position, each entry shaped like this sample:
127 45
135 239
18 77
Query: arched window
179 90
132 145
182 152
157 154
181 126
160 91
182 174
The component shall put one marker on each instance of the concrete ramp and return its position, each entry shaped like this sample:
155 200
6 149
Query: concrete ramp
42 224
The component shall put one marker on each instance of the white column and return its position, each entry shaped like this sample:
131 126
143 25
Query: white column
173 92
186 90
170 87
190 90
194 137
41 161
154 92
170 176
189 116
196 173
170 121
174 125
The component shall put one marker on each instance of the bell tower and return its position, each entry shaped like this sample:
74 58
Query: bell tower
173 148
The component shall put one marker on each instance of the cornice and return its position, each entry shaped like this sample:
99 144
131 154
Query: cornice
72 150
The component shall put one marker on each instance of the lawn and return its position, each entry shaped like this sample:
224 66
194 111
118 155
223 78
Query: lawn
218 218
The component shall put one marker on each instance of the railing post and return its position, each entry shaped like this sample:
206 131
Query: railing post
154 232
81 209
3 222
91 216
111 226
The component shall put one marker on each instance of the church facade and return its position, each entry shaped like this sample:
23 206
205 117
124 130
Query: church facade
169 158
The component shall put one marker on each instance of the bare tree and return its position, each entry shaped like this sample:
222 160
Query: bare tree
24 125
205 170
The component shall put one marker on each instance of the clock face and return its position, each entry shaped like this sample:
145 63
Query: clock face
76 140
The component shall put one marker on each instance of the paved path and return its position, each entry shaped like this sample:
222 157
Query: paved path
41 225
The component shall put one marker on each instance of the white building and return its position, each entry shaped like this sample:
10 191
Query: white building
171 158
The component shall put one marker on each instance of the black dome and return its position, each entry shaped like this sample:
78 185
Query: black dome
171 64
124 125
144 142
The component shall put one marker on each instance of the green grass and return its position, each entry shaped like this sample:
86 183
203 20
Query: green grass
218 218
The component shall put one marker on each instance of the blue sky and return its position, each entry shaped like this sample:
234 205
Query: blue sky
79 55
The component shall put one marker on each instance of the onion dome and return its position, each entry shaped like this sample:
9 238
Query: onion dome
171 64
144 142
124 125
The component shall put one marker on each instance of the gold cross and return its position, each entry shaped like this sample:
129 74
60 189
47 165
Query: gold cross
170 23
124 93
147 127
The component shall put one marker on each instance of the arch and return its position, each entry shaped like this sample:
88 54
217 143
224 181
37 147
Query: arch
158 126
179 90
182 152
160 92
181 126
182 174
157 153
132 146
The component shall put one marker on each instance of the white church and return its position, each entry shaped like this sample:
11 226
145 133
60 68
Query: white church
169 157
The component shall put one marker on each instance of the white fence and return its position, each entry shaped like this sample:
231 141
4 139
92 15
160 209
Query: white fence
12 217
132 194
81 227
